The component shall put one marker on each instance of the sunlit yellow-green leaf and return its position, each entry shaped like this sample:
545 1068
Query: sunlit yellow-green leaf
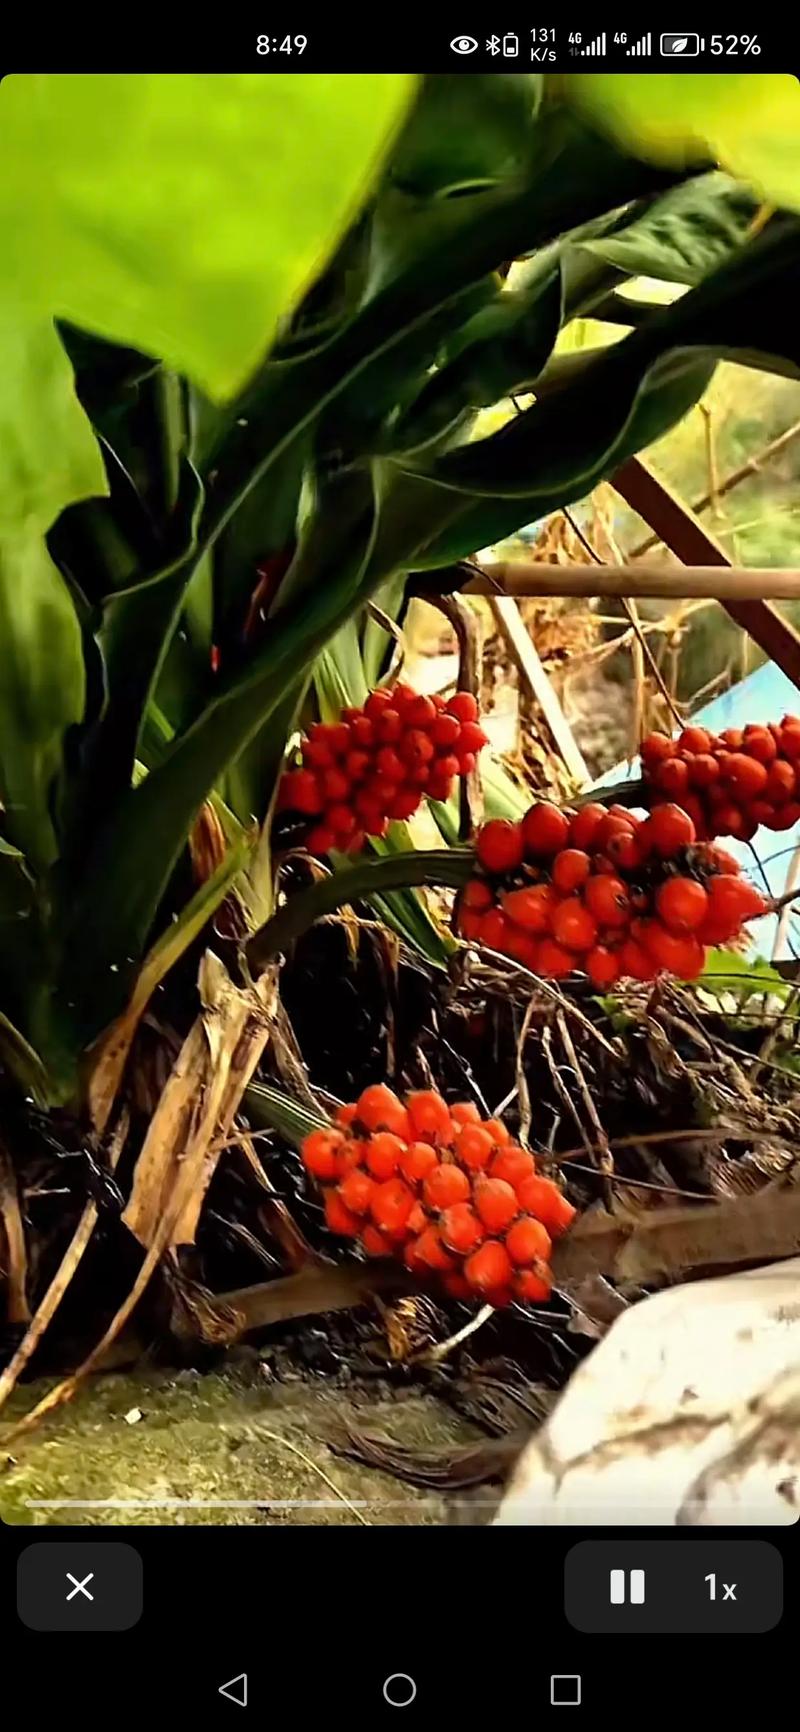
748 122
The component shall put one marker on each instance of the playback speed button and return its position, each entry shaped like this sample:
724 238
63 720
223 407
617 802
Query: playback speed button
674 1587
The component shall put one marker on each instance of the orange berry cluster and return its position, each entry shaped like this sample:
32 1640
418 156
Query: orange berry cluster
379 762
443 1190
605 892
729 783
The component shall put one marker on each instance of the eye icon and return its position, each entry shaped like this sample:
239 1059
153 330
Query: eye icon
463 45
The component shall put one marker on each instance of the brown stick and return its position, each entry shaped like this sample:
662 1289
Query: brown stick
510 623
465 624
684 534
753 466
515 578
18 1309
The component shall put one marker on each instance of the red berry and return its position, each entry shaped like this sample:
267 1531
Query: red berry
584 825
378 1109
571 869
463 706
694 740
528 1241
470 924
733 900
445 732
420 712
456 1285
460 1228
429 1250
603 966
499 846
532 1287
682 954
746 777
655 748
374 1243
682 904
787 816
341 819
704 770
544 830
495 930
405 803
672 777
635 961
553 962
497 1132
489 1268
514 1165
389 764
356 1191
357 764
624 850
377 703
573 925
760 743
340 1219
781 782
669 829
430 1119
319 1151
320 839
447 1184
383 1153
389 727
300 792
465 1113
474 1147
363 732
391 1206
531 908
541 1198
608 900
476 894
473 738
496 1203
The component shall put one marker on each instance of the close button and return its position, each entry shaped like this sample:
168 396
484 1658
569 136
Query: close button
85 1585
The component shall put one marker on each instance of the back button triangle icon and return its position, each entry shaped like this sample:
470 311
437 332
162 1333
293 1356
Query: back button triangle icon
236 1690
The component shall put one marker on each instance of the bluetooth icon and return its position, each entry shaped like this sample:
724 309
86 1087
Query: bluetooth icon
494 45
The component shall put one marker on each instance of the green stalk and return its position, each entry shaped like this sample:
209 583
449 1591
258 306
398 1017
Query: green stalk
448 867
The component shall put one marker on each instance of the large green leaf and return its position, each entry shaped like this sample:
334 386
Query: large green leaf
747 122
683 235
48 454
183 213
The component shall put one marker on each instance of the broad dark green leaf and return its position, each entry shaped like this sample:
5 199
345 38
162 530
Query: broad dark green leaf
465 129
683 235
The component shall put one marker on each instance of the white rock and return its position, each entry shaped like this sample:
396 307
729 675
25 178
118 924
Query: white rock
687 1413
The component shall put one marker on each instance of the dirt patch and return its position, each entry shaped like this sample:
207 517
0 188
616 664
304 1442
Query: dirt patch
214 1449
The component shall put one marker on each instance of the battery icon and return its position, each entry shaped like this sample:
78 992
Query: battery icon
511 46
683 42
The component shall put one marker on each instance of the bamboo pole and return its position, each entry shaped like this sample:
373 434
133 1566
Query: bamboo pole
509 621
521 577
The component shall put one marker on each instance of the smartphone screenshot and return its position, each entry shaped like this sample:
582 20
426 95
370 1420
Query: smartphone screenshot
399 870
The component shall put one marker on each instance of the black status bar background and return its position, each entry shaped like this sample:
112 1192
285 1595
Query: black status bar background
490 39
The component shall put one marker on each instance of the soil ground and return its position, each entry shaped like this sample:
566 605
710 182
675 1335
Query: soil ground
221 1438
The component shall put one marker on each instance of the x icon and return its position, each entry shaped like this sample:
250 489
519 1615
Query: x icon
80 1587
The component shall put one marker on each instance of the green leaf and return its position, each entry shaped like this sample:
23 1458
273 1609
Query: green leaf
450 867
728 973
683 235
748 122
465 130
42 690
183 213
48 454
273 1110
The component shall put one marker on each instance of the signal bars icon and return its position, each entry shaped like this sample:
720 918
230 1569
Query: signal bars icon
598 46
643 46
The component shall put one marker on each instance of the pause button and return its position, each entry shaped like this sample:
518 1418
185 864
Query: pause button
626 1587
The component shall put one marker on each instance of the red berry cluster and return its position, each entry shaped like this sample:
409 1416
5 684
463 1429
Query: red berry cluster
729 783
605 892
444 1191
379 762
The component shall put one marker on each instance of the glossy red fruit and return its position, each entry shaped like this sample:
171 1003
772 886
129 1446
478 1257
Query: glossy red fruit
417 1161
463 706
470 924
746 777
760 743
571 869
300 792
377 703
356 1191
429 1250
574 925
489 1269
603 966
669 829
474 1147
390 1207
544 830
339 1218
531 908
429 1116
447 1184
389 727
635 961
672 777
378 1109
456 1285
404 804
681 954
473 738
528 1241
320 839
342 820
541 1198
733 900
704 770
729 820
495 929
383 1153
445 732
375 1244
694 740
656 748
532 1287
682 904
514 1165
461 1229
496 1203
584 825
624 850
499 846
781 782
476 894
786 816
497 1132
608 899
319 1151
553 962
